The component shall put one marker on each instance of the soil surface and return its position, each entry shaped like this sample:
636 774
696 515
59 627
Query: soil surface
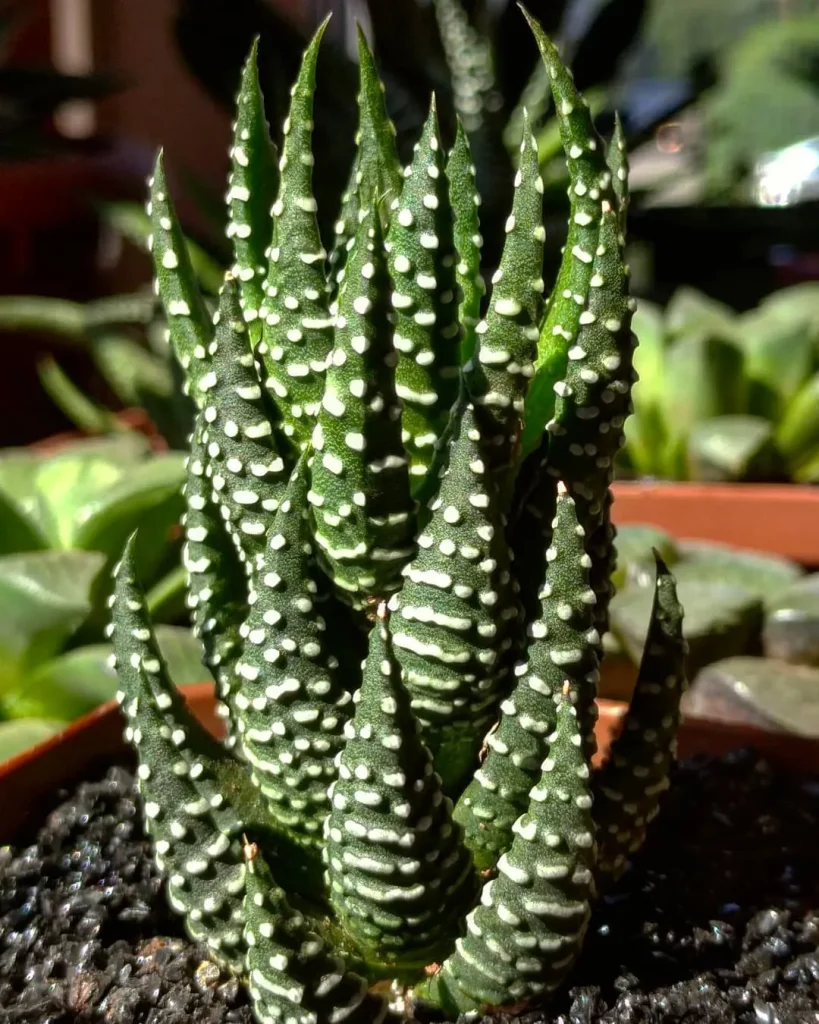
717 922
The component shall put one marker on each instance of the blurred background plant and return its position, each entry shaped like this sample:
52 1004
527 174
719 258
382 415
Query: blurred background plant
724 395
64 518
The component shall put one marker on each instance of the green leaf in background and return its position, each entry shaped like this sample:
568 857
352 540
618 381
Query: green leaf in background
76 682
167 598
797 300
798 433
76 475
130 368
778 359
765 576
147 379
646 433
17 531
635 544
67 483
690 310
39 314
721 618
148 496
44 597
132 222
734 448
703 378
86 414
70 321
15 737
807 471
18 479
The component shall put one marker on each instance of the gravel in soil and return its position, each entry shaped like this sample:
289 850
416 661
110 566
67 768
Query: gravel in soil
717 922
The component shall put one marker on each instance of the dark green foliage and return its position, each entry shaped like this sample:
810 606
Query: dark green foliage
457 611
422 266
529 926
628 789
252 187
398 872
247 457
217 585
466 202
363 514
297 332
563 651
331 812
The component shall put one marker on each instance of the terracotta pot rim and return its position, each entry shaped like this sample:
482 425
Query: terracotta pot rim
783 490
774 519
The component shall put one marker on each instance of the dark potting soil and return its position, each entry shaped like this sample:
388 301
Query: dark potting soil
717 922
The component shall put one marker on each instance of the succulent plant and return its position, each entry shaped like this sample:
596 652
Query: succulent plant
400 599
126 339
64 518
753 414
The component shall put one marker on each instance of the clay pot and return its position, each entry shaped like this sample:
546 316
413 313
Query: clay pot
777 519
33 779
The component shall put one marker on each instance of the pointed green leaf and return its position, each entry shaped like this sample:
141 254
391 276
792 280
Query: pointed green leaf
618 165
629 787
507 339
398 872
290 702
246 451
297 333
457 612
465 201
422 266
363 514
292 974
564 647
217 584
376 169
184 778
593 401
526 932
646 429
590 184
189 322
346 224
252 188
